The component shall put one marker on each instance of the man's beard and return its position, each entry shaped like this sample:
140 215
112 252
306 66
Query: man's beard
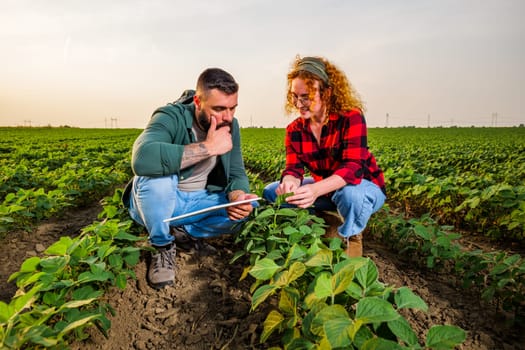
204 122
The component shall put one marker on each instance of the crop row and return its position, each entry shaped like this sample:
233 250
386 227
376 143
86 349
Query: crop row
61 294
496 276
59 168
321 299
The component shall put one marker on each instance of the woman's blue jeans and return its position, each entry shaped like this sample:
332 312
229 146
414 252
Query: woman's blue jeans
355 203
154 199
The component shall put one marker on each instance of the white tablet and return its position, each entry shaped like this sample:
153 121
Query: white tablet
215 207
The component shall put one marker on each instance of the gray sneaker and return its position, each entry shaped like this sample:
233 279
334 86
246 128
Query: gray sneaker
161 271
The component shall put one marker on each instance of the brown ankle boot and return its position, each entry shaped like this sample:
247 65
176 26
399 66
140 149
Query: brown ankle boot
331 232
333 221
354 246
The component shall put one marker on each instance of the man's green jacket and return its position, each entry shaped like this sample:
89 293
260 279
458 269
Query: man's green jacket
158 150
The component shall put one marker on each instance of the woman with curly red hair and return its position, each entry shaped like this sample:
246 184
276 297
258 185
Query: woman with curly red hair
329 139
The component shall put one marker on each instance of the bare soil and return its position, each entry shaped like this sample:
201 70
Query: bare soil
209 308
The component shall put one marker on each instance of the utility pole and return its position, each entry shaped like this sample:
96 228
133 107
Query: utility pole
494 119
428 121
387 120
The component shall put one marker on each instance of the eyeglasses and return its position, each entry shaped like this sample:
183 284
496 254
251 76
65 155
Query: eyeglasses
304 99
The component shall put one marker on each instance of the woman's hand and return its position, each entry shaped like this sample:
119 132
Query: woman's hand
288 185
304 196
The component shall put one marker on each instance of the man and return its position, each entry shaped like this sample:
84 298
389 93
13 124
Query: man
189 158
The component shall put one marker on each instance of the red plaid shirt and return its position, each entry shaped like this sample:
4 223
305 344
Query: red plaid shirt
343 150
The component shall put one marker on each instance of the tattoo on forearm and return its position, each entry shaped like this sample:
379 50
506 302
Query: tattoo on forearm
194 153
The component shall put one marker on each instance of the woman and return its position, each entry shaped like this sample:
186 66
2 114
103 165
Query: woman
329 139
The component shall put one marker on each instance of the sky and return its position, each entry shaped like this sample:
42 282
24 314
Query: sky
97 64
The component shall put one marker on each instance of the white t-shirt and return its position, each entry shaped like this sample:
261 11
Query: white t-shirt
199 177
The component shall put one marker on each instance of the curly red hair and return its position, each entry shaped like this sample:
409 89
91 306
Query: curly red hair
338 95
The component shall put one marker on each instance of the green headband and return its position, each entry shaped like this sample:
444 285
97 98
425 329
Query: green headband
313 65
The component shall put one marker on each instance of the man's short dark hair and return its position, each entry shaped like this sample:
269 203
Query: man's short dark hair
216 78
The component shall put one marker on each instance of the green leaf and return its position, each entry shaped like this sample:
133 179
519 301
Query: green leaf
342 279
295 271
30 265
499 269
402 330
445 337
305 229
328 313
6 312
373 309
264 269
323 285
511 260
361 336
54 264
355 290
423 232
76 303
261 294
98 275
310 316
131 255
288 301
380 344
115 261
405 298
29 278
78 323
474 202
275 254
430 261
286 212
236 256
265 214
298 344
121 281
336 331
124 236
59 247
35 336
105 250
86 292
322 258
289 230
355 263
110 211
271 323
295 252
24 301
367 275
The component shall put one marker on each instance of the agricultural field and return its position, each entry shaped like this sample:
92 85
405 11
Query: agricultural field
443 260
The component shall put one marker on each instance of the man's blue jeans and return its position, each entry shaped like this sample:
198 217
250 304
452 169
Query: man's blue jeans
355 203
154 199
